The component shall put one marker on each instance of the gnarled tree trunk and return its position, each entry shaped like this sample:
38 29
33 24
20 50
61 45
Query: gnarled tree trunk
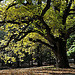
61 56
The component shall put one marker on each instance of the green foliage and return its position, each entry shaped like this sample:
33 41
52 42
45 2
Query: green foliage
71 40
71 52
71 46
20 1
2 34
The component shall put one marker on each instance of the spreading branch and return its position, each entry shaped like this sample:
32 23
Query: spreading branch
18 39
14 21
72 9
67 1
26 33
71 13
38 40
46 8
15 39
11 5
50 37
66 12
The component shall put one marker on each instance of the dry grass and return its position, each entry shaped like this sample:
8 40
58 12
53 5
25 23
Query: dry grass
45 70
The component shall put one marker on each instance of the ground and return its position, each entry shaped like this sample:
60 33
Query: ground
44 70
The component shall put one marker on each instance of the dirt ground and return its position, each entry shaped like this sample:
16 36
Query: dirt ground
44 70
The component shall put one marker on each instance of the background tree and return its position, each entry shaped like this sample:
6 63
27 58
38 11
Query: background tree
71 40
71 46
71 52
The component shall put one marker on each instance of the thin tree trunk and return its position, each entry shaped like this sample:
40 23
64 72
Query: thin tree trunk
38 61
17 61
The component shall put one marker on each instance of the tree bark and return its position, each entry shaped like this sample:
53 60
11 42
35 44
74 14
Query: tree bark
74 60
61 56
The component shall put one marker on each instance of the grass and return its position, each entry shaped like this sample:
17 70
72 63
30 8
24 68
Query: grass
44 70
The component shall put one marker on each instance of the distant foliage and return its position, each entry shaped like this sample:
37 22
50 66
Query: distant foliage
71 46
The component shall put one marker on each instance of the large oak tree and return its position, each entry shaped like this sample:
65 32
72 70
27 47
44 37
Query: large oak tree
52 19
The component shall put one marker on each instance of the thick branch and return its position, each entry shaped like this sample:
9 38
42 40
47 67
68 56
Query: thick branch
46 8
67 1
15 39
72 9
66 12
38 40
26 33
71 13
14 21
11 5
50 37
